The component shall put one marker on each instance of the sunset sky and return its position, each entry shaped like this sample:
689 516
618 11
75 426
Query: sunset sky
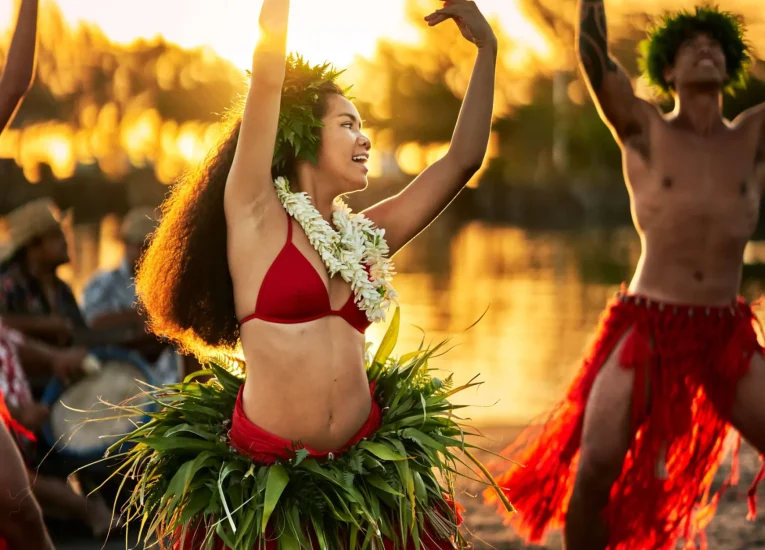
333 30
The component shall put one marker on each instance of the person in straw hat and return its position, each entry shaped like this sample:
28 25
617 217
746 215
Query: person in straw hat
33 299
109 300
21 521
38 303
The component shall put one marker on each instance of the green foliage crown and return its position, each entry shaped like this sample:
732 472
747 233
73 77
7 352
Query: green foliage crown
298 133
659 49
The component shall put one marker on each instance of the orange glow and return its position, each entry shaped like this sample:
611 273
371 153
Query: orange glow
126 129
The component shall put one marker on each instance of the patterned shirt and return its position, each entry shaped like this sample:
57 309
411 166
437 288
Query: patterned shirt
113 291
13 381
22 293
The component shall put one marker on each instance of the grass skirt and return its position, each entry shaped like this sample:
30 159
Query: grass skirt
392 489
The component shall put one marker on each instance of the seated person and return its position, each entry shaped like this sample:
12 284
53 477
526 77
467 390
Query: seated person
33 299
110 298
49 485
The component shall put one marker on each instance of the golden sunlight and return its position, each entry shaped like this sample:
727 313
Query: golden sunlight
128 130
335 30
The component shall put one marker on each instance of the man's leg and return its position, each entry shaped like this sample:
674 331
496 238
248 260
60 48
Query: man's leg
748 413
605 442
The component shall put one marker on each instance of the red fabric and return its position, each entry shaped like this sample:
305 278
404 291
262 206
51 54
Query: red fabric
16 429
3 414
265 448
691 358
13 380
293 292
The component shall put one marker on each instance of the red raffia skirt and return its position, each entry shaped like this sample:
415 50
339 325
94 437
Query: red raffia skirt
691 359
266 448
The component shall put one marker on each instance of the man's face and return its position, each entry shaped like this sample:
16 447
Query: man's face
699 61
53 248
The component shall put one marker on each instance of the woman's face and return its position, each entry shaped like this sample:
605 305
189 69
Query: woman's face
344 148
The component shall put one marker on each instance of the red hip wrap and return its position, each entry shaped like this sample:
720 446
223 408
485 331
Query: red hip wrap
691 358
266 448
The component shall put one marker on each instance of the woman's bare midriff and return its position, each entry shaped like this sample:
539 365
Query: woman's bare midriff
306 382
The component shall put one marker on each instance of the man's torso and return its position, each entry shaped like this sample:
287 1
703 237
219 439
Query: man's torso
695 202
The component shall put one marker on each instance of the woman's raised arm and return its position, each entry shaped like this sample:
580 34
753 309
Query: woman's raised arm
19 69
413 209
249 180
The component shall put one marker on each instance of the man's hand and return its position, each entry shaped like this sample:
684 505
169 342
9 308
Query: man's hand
59 328
469 20
68 364
32 416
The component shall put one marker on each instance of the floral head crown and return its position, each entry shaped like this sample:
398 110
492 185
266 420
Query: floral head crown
658 50
298 131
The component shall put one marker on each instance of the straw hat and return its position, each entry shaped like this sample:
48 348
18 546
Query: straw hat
138 225
28 221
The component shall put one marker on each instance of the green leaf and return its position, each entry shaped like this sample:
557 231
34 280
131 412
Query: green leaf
196 430
223 534
277 481
179 444
348 478
199 499
300 455
224 473
406 475
379 483
381 451
422 439
389 340
419 488
182 478
288 541
318 532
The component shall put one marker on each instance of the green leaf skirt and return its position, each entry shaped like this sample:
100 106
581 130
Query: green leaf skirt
391 488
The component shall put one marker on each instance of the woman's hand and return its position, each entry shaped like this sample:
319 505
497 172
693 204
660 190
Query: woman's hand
469 19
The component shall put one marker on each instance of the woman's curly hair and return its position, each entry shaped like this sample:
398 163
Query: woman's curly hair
658 50
183 280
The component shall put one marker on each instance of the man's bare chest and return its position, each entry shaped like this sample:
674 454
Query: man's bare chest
694 180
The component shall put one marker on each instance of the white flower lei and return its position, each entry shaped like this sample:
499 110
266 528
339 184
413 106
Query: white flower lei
355 243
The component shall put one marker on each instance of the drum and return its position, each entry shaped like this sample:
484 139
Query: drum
115 382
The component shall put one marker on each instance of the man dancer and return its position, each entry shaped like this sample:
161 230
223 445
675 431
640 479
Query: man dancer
676 359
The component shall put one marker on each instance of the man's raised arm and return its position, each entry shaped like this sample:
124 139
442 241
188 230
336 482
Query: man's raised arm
608 82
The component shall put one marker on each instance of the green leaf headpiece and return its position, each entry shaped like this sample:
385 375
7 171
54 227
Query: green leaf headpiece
297 136
658 50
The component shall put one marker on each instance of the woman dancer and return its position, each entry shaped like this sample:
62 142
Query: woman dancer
326 448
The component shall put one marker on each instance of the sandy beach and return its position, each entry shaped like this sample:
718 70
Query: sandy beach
729 530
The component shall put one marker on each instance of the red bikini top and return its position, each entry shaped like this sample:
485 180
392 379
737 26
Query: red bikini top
293 292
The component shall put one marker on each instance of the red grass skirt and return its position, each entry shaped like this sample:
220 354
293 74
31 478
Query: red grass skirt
692 368
266 448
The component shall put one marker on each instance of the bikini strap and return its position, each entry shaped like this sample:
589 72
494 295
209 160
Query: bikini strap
289 227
